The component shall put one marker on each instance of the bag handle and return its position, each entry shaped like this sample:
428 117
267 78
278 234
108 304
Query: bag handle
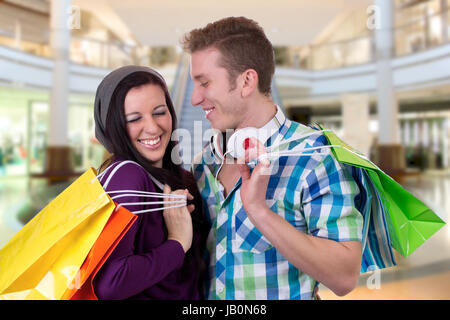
181 202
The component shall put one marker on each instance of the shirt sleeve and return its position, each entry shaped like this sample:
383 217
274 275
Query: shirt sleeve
125 273
329 202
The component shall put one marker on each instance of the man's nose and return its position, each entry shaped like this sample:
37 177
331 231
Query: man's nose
196 97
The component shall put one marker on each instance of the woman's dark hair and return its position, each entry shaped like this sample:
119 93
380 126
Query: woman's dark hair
122 148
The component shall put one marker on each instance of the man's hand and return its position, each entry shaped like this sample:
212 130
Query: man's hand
335 264
254 186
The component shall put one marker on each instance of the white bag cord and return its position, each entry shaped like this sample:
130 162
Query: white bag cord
294 152
289 140
278 153
148 194
100 176
181 202
299 152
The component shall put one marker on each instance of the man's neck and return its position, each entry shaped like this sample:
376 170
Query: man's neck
258 113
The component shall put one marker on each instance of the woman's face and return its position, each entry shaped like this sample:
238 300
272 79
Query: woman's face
149 122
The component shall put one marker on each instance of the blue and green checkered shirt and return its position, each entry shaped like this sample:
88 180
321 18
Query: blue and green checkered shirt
315 193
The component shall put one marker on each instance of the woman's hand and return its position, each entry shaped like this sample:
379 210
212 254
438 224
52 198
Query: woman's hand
178 220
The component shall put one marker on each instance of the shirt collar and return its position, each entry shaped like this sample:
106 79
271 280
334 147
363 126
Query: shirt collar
275 128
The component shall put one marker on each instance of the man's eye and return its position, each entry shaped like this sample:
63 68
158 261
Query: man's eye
204 84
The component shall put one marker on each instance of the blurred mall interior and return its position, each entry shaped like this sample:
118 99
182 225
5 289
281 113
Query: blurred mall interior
376 72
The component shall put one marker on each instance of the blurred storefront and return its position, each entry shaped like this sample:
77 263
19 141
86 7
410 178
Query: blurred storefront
24 128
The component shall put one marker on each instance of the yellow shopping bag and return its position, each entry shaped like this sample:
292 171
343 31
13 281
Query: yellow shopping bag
42 260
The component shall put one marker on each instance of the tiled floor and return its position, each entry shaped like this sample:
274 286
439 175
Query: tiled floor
425 274
432 287
13 191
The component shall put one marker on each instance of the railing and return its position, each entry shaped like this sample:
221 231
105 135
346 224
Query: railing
104 54
412 37
340 54
415 36
422 34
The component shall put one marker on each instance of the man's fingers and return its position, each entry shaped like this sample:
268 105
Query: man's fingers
244 171
253 149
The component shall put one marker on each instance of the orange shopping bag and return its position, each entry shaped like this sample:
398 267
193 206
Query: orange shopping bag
117 226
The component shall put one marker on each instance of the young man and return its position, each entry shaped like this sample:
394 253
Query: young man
272 236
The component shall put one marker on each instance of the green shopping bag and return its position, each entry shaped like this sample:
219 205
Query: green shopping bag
410 222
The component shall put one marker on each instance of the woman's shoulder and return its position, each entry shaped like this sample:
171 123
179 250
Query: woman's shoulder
186 174
190 183
188 178
124 174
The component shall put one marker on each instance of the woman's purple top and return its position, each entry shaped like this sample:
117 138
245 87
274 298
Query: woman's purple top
145 265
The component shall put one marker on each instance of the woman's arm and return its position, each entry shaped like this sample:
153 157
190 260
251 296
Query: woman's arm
126 273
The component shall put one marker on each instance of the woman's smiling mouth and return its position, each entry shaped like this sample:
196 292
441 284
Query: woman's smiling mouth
150 143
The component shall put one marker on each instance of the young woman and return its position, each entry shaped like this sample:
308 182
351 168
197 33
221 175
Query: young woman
160 256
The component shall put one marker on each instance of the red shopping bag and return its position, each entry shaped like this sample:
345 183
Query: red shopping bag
117 226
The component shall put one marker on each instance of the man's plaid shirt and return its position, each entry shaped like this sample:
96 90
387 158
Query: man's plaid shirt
314 193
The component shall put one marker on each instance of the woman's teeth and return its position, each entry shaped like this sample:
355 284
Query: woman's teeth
151 142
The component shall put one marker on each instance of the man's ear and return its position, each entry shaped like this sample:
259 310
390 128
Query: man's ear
249 82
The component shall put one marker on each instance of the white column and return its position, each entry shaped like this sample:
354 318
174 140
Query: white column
60 45
355 121
435 136
444 20
416 134
387 102
445 144
406 133
426 134
17 34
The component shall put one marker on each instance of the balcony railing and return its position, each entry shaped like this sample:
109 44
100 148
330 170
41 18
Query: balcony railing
422 34
412 37
339 54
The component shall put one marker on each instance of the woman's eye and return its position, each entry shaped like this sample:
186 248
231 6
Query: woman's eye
133 120
204 84
159 113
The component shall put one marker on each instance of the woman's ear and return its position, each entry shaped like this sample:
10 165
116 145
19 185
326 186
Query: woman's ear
249 82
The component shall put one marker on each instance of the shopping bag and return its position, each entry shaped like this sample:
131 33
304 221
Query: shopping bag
118 224
42 259
410 222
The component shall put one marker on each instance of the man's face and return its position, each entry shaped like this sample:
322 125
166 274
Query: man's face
212 90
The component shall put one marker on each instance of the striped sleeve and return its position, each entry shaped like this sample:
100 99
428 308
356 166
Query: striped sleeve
328 202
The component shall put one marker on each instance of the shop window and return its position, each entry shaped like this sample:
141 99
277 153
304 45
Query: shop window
85 150
38 136
13 140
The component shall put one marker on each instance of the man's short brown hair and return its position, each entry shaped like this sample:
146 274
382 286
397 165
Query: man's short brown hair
243 45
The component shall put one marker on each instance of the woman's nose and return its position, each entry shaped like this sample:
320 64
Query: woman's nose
151 126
